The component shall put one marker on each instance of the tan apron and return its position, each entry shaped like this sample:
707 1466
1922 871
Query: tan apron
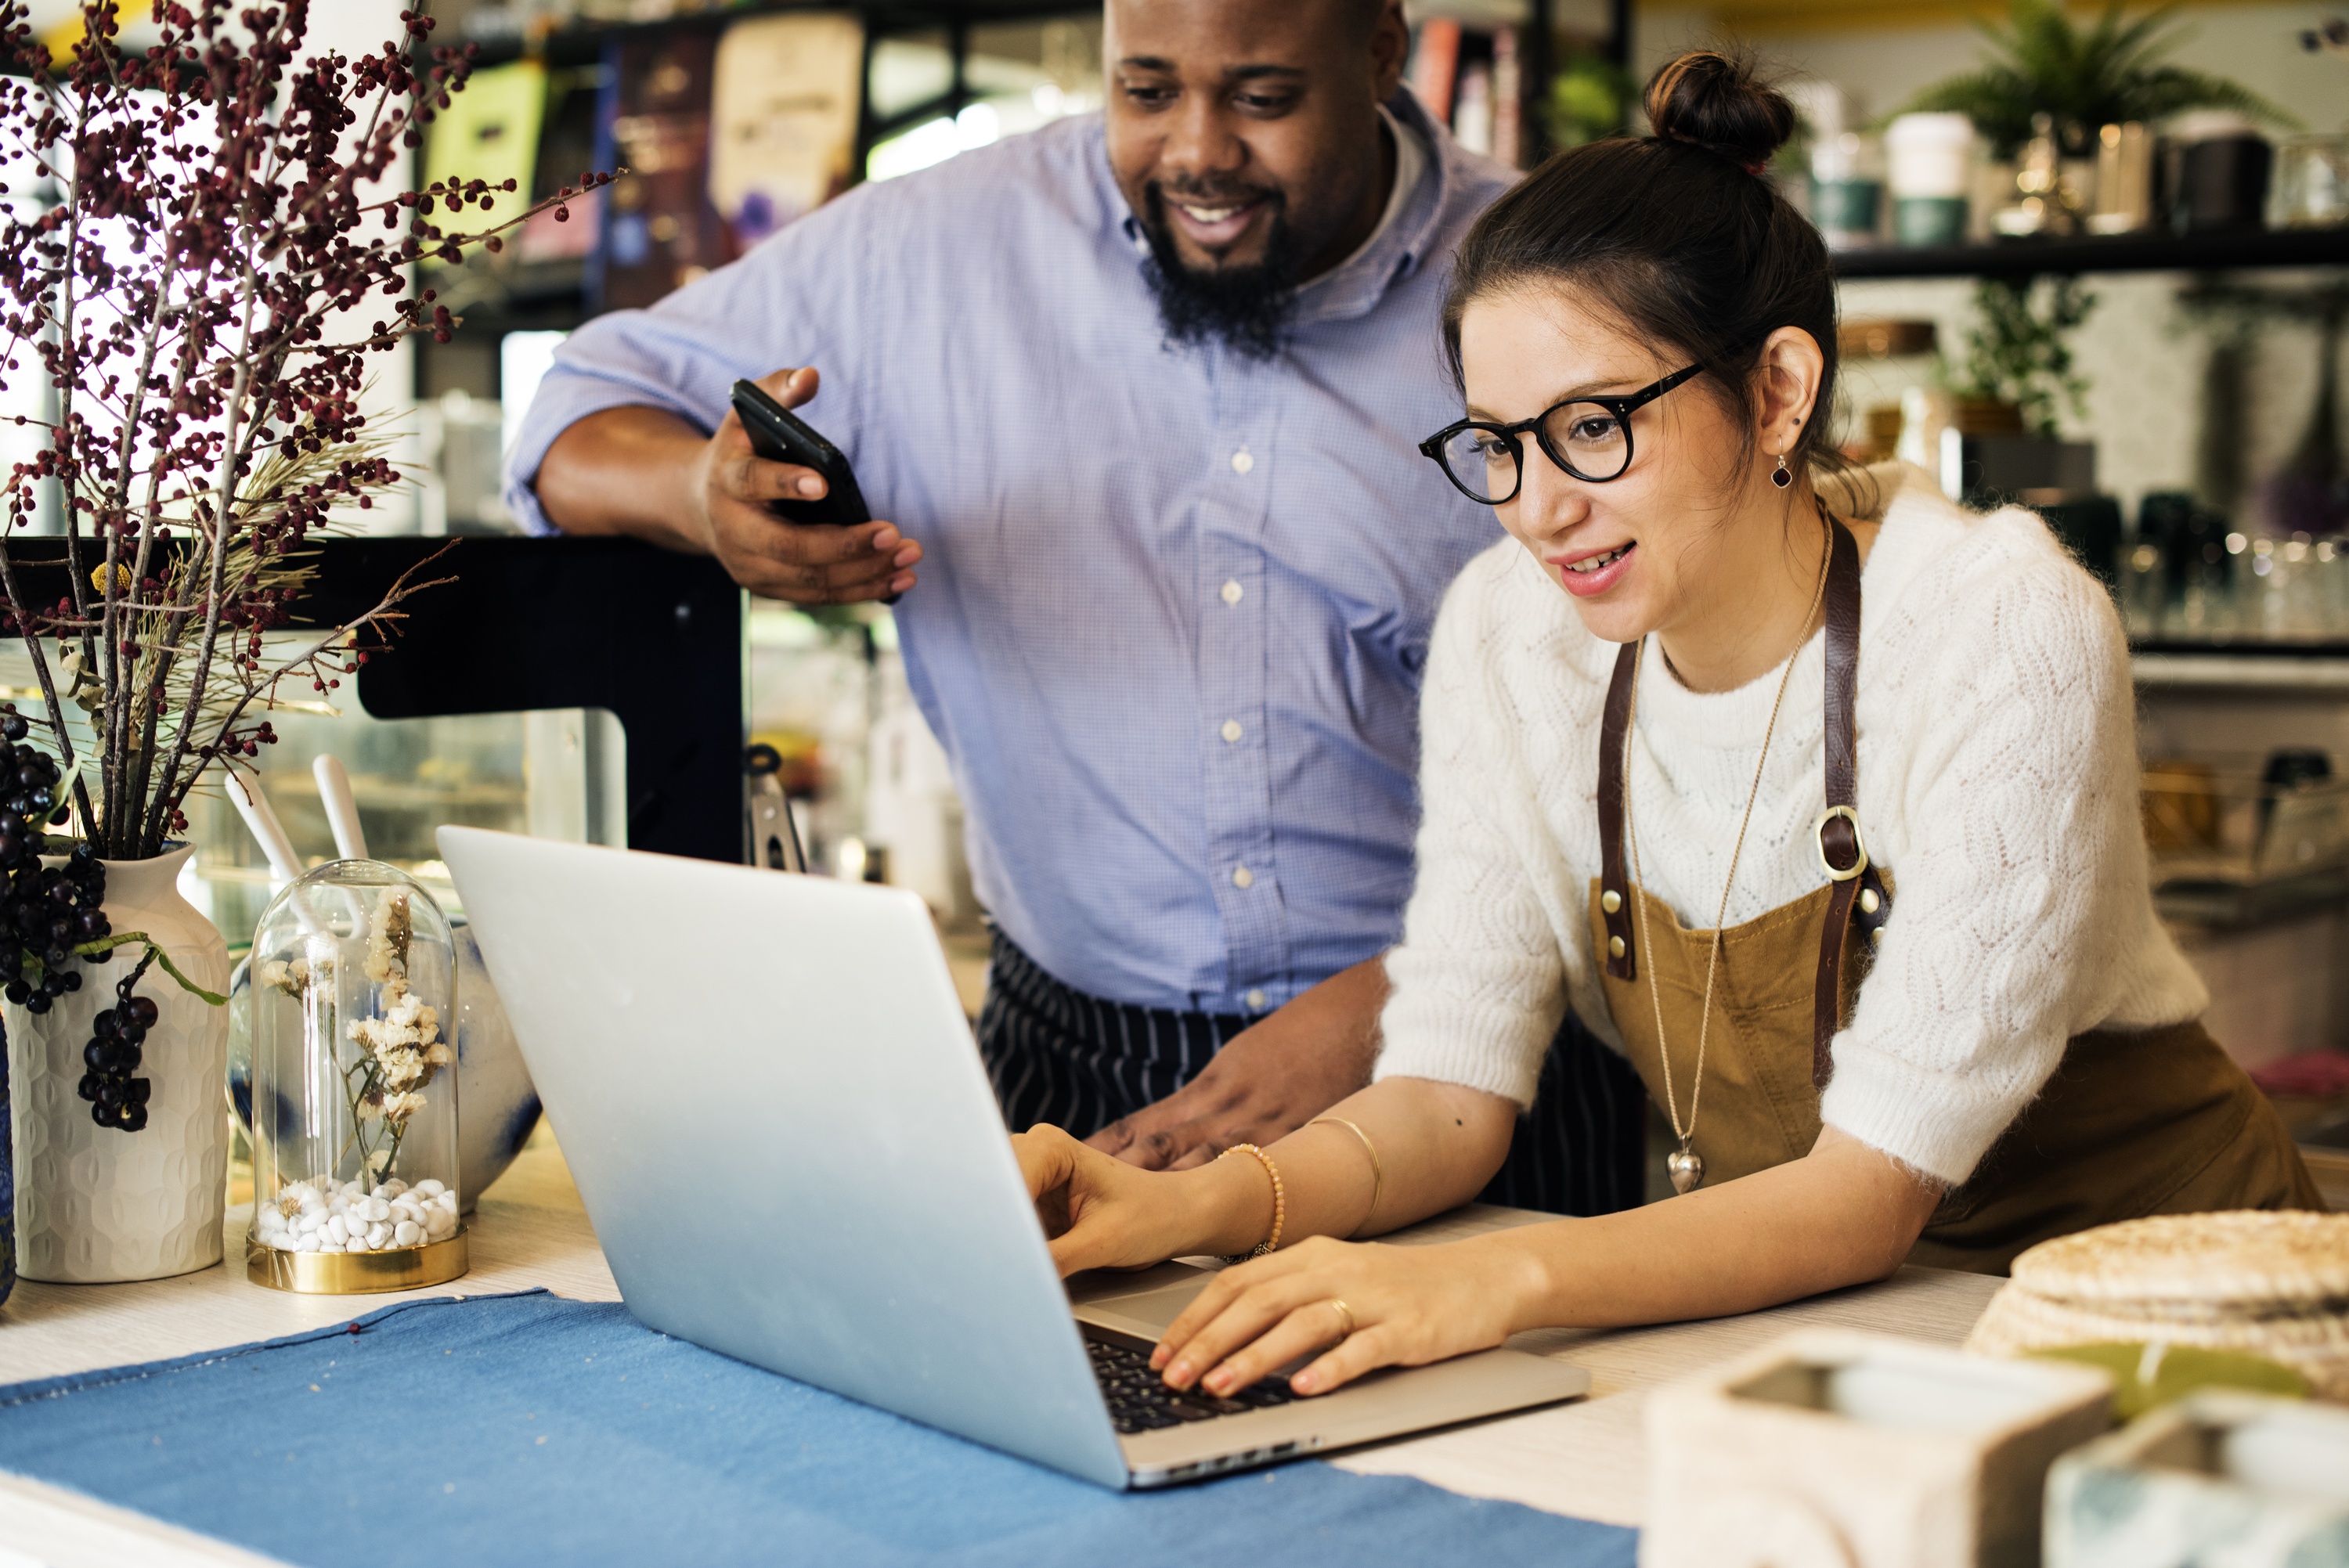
2161 1121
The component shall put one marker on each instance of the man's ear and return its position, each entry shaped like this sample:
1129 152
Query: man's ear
1390 49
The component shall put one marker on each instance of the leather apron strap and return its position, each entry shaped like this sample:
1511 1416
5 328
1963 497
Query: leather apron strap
1860 894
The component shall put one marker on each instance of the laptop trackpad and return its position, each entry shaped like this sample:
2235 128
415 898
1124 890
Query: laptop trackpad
1142 1304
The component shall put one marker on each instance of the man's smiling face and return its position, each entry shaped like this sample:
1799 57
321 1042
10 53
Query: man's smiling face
1243 133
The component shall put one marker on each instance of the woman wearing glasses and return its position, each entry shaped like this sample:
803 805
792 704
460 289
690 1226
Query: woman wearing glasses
1823 812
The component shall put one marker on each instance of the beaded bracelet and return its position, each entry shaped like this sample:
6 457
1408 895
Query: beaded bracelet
1279 1201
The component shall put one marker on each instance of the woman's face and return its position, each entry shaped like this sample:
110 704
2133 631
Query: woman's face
1635 552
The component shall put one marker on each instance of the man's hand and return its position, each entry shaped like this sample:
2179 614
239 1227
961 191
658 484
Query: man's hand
1267 1082
819 564
645 472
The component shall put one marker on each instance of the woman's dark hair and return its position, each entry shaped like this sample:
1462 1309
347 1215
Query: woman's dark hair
1677 232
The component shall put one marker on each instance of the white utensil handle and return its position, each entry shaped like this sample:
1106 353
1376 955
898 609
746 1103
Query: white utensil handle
342 806
254 807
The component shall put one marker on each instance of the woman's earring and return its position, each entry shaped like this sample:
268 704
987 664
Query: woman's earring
1780 476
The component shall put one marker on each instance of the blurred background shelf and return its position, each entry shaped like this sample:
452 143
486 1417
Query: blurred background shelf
2257 248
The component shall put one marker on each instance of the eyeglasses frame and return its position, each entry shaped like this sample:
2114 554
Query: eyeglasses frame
1622 407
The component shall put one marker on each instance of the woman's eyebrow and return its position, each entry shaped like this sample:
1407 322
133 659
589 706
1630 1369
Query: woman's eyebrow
1588 390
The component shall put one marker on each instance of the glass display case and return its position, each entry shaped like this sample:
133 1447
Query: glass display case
354 1171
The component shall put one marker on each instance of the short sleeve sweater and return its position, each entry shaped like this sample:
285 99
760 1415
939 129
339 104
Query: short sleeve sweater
1997 784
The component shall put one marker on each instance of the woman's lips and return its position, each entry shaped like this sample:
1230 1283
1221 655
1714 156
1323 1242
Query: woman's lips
1212 225
1587 575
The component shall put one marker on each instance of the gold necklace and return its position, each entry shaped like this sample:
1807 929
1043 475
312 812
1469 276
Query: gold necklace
1685 1165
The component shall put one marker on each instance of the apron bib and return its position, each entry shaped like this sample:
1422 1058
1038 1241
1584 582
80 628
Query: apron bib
2161 1121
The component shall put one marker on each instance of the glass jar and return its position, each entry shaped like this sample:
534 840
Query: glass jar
354 1086
2312 174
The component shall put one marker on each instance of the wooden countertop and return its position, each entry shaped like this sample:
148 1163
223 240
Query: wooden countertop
1587 1459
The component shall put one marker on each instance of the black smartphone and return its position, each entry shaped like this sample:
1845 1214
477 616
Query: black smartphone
781 435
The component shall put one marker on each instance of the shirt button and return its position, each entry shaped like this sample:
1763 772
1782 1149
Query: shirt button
1242 877
1232 591
1241 461
1232 732
1255 999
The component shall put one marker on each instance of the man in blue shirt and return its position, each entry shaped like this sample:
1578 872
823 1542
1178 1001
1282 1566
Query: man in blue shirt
1138 395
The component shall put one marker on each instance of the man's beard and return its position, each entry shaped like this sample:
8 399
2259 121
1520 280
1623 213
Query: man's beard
1247 307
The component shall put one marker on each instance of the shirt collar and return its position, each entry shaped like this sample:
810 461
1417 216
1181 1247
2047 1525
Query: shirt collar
1394 250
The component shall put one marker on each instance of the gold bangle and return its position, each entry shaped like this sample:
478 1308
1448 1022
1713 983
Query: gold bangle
1378 1173
1279 1201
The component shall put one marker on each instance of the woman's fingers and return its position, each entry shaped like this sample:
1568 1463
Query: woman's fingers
1364 1350
1303 1330
1045 1164
1360 1305
1096 1212
1251 1313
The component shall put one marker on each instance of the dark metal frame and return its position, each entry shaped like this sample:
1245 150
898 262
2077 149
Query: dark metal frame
654 637
1537 426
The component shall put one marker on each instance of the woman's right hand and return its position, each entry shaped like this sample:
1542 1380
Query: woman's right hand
1100 1212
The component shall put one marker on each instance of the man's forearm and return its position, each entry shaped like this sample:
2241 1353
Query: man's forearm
625 470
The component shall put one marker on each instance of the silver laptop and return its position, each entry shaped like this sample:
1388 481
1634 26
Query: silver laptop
769 1096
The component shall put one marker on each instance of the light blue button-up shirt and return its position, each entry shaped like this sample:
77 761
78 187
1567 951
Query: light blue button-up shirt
1175 603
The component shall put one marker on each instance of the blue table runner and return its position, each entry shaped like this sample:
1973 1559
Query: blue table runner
535 1429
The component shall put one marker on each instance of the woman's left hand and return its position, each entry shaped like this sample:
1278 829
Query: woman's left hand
1406 1306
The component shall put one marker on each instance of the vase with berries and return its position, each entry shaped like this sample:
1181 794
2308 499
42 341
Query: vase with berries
202 242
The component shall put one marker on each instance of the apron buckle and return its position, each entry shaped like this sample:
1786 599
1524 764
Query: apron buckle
1819 834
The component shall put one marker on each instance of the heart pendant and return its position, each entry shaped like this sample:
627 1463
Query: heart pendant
1686 1166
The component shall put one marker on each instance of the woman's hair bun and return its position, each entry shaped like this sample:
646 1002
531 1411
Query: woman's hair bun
1712 100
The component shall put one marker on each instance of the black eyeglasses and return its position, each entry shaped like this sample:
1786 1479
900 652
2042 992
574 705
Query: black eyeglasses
1589 438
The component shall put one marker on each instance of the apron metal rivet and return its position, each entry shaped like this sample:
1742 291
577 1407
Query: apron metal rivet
1868 900
1611 900
1875 937
1614 947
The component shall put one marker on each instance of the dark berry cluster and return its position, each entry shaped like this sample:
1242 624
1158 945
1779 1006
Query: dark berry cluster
44 911
116 1098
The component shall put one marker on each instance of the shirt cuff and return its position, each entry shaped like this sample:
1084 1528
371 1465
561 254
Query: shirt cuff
1479 1042
566 396
1936 1123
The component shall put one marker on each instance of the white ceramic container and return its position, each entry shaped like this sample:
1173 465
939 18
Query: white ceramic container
2218 1479
95 1204
1851 1450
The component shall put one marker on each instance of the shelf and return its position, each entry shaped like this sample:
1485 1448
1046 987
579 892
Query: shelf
583 44
2115 253
2257 666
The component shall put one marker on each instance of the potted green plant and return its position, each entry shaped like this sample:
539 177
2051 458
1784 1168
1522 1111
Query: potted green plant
2112 71
2018 365
1590 99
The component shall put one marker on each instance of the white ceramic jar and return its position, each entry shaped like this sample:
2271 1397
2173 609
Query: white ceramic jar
97 1204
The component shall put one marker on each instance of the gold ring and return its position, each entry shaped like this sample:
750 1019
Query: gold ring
1348 1314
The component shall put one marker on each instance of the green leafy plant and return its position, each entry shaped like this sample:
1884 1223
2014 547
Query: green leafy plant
2019 350
2108 72
1590 99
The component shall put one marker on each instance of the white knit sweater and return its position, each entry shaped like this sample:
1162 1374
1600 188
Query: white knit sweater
1998 785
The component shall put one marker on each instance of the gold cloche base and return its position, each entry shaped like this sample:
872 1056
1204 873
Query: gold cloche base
355 1274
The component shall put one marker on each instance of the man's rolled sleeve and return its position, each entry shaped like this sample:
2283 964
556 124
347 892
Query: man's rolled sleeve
684 355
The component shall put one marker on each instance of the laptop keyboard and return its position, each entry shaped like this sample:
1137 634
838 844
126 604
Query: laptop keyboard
1140 1401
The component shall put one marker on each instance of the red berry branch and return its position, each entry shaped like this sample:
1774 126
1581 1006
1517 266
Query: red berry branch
190 274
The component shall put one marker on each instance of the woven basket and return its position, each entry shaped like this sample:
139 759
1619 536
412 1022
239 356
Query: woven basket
2230 1261
2269 1284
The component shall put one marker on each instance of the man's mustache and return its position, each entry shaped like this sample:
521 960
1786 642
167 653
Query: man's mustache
1213 196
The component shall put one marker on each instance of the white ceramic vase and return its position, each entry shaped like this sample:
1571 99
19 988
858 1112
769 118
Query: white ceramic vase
96 1204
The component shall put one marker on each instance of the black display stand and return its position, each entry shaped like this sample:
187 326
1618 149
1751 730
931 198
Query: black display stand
654 637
